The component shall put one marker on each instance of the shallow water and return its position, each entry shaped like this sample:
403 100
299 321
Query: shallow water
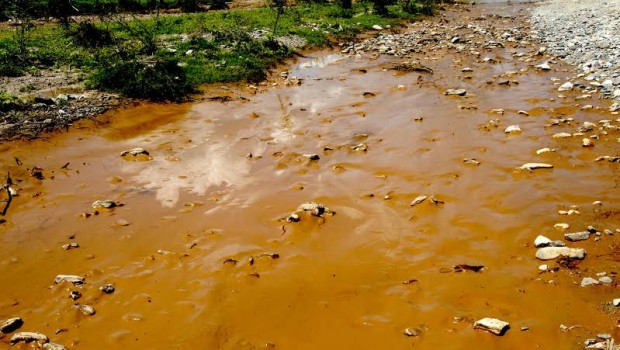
338 281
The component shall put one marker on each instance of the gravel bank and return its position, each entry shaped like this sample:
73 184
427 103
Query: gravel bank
584 33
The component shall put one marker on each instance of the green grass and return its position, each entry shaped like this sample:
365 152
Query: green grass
222 49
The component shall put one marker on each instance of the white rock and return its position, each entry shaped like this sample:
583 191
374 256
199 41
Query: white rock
561 226
512 129
544 150
541 241
377 27
28 337
543 267
588 281
534 166
493 325
544 66
586 142
566 86
418 200
550 253
69 278
616 302
561 135
605 280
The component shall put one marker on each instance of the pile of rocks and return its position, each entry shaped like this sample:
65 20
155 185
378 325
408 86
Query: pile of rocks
585 33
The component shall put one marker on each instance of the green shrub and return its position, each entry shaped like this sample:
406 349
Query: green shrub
11 64
162 80
87 34
10 102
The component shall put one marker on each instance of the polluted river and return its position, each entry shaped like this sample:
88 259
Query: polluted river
363 198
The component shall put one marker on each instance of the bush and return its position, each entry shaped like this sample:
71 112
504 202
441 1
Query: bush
163 80
424 7
10 102
11 63
87 34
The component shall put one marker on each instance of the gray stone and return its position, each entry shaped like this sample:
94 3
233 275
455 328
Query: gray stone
605 280
550 253
577 236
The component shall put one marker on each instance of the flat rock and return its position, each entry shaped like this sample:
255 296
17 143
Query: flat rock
69 278
534 166
455 92
53 346
589 281
28 337
550 253
11 325
605 280
493 325
577 236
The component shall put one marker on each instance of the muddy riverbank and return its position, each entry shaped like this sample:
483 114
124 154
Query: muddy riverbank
199 249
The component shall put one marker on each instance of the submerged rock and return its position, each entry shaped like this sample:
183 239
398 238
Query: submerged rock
315 209
106 203
550 253
108 288
493 325
53 346
135 152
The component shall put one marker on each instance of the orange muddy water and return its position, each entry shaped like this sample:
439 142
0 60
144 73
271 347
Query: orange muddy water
189 250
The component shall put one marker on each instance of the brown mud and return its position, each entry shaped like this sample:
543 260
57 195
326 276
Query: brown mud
186 251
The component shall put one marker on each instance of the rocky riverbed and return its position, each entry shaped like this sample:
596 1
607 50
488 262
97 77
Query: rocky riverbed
417 189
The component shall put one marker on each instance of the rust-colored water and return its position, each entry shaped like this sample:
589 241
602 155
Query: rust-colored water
337 283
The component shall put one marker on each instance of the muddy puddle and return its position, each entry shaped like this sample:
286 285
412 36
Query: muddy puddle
201 255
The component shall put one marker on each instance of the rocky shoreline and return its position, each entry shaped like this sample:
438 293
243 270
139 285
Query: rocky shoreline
584 34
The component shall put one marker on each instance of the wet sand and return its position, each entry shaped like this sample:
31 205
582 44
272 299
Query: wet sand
337 283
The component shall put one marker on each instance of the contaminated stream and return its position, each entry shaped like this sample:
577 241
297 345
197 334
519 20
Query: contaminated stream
201 255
